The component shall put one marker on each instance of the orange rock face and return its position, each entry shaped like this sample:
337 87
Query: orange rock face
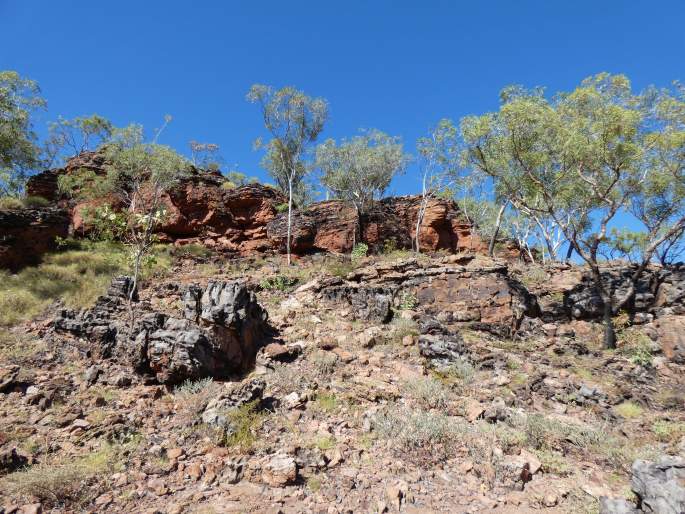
245 219
334 226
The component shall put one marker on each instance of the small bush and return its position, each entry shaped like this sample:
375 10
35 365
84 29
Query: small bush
668 431
325 443
428 393
326 402
191 398
324 362
193 250
244 422
425 435
401 327
8 203
460 372
279 283
340 269
35 202
281 208
408 301
190 387
628 410
360 251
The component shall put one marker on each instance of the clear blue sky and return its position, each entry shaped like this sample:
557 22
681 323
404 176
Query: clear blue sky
395 65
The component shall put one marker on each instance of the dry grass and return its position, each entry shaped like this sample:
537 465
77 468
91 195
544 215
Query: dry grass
62 482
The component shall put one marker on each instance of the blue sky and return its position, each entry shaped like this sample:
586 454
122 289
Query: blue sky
397 65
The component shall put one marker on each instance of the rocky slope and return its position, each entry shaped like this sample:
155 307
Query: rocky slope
393 384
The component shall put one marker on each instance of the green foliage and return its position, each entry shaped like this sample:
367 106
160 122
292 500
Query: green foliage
340 268
668 431
72 137
190 387
244 422
628 410
76 276
360 251
326 402
282 207
237 179
19 98
294 121
279 283
408 301
35 202
360 169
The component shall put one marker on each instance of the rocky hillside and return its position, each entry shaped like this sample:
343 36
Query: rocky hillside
451 383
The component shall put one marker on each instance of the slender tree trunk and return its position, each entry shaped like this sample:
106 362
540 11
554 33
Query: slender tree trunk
493 239
609 332
607 310
569 253
419 220
290 214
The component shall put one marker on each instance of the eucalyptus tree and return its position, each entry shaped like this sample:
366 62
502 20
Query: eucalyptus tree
439 159
137 174
582 158
205 155
71 137
360 169
19 153
294 121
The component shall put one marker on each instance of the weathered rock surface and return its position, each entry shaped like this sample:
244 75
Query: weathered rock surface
217 410
222 332
660 485
26 234
331 226
454 291
440 346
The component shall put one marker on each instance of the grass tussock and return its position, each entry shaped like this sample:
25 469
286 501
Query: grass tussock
64 482
245 421
17 348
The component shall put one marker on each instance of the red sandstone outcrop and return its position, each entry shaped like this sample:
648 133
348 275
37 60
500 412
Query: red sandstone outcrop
245 219
331 226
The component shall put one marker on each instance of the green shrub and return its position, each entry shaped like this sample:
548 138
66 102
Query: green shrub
245 421
281 208
628 410
428 392
359 251
35 202
668 431
340 269
279 283
408 301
